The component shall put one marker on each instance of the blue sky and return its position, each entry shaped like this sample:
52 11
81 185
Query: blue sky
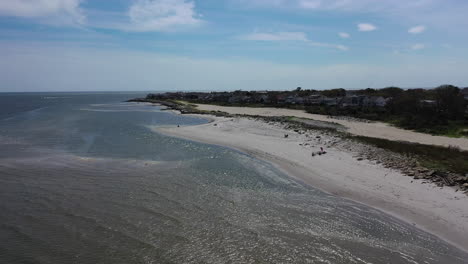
90 45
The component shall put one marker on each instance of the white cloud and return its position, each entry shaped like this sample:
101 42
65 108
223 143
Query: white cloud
291 36
364 6
35 68
279 36
310 4
162 15
418 46
366 27
329 45
344 35
417 29
54 11
440 14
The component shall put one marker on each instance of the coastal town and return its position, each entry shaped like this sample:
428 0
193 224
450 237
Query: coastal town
298 97
437 110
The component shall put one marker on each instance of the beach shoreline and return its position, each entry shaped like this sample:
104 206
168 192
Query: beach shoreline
440 211
369 129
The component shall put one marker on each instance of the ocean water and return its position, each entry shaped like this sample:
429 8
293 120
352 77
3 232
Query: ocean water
84 180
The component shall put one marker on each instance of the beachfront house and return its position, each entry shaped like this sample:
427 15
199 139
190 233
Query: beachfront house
374 101
351 101
331 101
464 92
313 99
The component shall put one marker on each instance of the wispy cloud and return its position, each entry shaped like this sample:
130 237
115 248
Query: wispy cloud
344 35
329 45
278 36
437 13
162 15
343 5
417 29
418 46
115 70
310 4
49 11
290 36
365 27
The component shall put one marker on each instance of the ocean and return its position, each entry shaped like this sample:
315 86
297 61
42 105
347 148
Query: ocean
83 179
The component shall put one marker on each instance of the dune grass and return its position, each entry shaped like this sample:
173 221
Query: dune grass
433 157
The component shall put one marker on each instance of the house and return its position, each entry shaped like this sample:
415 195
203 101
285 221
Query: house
265 99
281 99
363 101
331 101
235 99
374 101
314 99
464 92
428 102
294 99
381 101
352 101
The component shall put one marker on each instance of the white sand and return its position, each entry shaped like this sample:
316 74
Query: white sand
441 211
374 129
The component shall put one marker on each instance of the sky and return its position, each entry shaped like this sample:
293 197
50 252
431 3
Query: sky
175 45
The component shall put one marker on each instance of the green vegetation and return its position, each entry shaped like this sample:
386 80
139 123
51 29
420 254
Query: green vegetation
437 158
433 157
439 111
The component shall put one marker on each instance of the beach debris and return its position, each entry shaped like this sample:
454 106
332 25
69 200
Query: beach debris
320 152
215 124
286 135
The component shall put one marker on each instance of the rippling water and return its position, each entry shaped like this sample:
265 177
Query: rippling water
83 180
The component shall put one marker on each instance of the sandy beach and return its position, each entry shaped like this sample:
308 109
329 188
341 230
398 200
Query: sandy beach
373 129
441 211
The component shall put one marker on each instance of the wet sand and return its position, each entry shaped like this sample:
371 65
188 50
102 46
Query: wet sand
440 211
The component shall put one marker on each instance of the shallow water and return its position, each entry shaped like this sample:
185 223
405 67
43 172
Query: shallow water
83 180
